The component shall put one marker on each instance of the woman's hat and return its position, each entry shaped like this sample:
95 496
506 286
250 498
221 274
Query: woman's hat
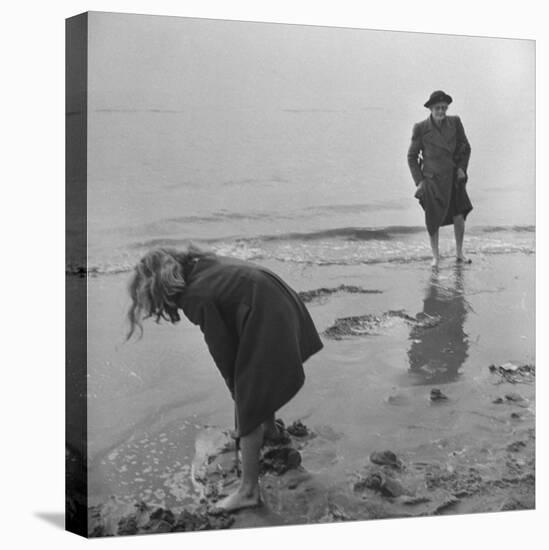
437 97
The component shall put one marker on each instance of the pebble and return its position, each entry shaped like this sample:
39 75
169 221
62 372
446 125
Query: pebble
385 458
384 485
516 446
297 429
514 397
437 395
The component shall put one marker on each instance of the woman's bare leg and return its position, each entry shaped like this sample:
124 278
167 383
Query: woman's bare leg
459 232
247 495
434 248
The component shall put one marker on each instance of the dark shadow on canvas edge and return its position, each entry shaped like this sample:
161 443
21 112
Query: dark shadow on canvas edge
56 519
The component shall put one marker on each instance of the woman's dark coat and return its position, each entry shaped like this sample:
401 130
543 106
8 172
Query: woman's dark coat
434 156
257 330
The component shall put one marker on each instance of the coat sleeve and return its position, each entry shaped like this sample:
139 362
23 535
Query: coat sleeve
463 147
414 159
221 343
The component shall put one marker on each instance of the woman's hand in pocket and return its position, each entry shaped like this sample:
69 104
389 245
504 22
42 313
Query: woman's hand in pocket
461 176
420 190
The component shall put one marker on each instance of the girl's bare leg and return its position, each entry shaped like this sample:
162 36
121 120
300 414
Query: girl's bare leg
434 248
270 429
459 232
247 495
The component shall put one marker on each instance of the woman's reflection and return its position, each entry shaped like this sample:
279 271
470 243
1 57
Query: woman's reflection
437 353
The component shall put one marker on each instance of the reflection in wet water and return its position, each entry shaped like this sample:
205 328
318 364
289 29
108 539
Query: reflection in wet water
437 353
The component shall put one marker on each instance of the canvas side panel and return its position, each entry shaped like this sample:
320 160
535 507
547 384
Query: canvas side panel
76 67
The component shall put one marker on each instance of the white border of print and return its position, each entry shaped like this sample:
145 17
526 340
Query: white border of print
33 261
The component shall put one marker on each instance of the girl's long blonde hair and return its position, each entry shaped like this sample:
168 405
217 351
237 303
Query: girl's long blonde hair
157 280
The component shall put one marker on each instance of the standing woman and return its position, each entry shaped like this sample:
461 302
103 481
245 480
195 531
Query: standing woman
438 157
257 329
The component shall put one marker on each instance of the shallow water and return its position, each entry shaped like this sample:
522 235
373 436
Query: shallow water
149 399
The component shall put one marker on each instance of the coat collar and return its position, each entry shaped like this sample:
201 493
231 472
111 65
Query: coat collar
192 267
436 134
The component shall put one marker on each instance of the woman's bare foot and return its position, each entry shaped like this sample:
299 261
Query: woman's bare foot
240 499
435 262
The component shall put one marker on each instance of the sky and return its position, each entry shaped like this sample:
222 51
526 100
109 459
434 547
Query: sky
176 63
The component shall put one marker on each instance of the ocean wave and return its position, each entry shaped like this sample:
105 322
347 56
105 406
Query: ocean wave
347 233
509 228
344 233
339 246
172 224
354 208
351 233
256 255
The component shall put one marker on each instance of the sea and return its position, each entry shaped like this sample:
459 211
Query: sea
296 185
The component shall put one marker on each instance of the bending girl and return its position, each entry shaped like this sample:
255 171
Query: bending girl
257 329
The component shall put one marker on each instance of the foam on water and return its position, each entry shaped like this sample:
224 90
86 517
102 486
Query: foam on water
331 246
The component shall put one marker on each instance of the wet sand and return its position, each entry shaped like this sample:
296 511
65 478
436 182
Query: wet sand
157 406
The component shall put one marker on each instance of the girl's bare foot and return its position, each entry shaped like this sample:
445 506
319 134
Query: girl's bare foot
434 263
240 499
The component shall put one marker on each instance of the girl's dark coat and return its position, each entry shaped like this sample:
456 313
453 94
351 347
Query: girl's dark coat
434 156
257 330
